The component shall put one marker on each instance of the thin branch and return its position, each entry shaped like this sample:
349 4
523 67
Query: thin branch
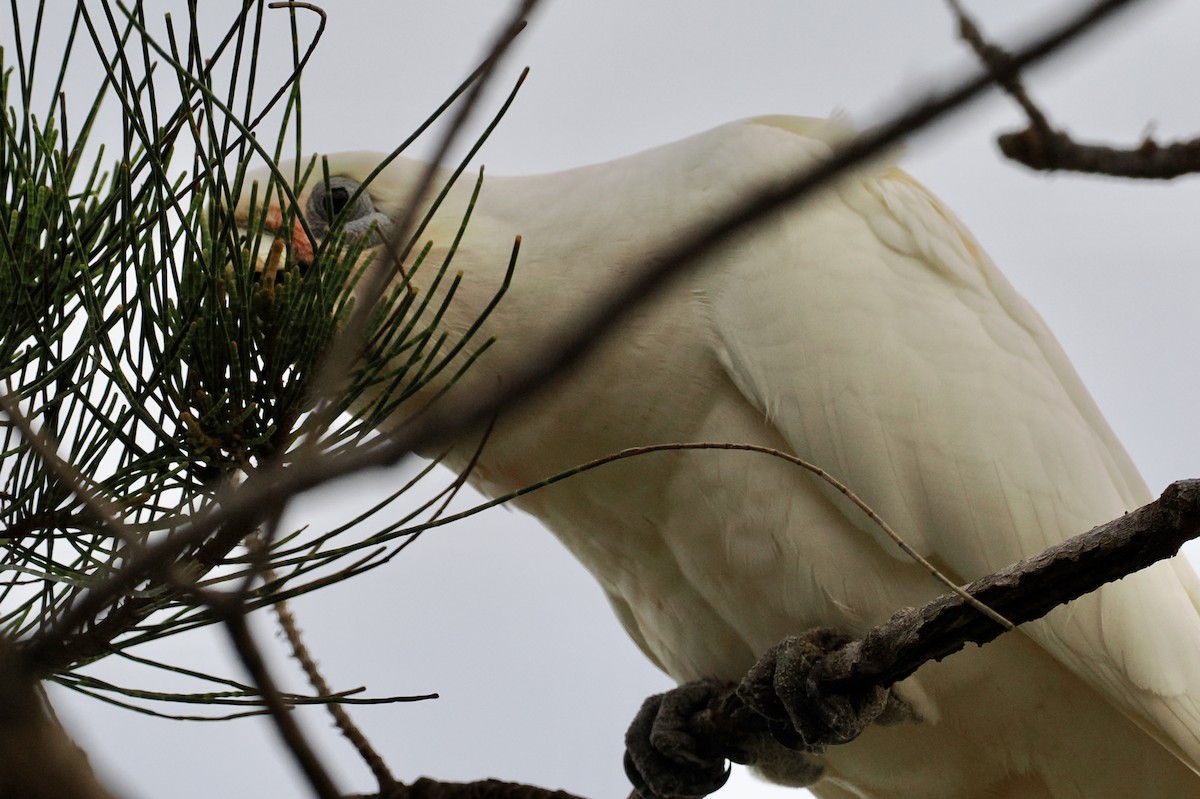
1040 146
106 512
77 637
341 717
295 740
1057 151
633 452
996 60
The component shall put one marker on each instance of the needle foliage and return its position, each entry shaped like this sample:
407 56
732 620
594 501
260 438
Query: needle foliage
153 352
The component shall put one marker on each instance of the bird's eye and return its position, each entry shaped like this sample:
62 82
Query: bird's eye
341 197
335 197
338 197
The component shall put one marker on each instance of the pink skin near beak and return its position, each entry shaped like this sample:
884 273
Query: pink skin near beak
302 248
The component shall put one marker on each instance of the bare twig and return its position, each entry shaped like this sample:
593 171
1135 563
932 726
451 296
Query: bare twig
1040 146
996 59
1032 588
634 452
233 615
341 717
1058 151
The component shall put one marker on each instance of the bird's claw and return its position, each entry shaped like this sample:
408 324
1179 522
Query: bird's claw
663 756
679 742
782 688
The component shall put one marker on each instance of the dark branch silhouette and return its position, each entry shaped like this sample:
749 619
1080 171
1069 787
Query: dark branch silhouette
483 789
38 760
1040 146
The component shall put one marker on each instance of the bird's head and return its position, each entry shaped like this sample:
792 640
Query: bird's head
330 194
426 321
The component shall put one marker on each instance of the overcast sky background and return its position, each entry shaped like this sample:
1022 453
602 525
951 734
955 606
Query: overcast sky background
537 680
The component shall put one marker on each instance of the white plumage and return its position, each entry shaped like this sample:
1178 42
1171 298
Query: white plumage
867 332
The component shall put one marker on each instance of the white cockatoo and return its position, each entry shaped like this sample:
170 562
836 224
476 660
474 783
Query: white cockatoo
864 330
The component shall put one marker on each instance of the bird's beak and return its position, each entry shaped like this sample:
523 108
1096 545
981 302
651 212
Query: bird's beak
302 246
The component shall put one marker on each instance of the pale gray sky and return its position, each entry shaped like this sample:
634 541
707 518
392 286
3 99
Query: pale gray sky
537 680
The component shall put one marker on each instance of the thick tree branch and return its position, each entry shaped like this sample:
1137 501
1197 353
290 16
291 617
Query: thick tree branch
37 758
1022 592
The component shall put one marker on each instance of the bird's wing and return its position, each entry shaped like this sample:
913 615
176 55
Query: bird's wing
885 346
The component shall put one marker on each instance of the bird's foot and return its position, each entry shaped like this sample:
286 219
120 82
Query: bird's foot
679 742
664 755
780 718
786 688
